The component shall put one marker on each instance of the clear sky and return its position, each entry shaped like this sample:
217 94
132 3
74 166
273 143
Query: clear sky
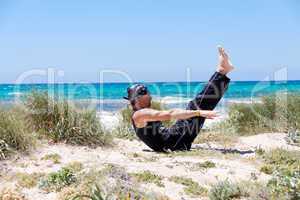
150 40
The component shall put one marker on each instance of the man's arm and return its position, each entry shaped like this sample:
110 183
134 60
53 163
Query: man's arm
148 115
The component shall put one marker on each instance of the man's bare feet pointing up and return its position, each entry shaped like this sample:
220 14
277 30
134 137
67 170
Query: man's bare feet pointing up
225 65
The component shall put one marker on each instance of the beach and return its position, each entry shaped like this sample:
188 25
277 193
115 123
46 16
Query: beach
219 159
135 157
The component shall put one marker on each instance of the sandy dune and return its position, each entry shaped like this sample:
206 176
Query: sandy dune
232 166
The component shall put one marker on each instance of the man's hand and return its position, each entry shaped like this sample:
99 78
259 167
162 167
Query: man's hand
208 114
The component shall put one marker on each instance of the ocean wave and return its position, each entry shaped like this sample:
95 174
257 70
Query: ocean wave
15 93
174 100
244 100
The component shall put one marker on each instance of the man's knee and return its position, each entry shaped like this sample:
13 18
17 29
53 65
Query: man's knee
192 105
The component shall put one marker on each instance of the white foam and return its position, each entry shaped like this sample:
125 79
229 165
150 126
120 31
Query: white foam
173 100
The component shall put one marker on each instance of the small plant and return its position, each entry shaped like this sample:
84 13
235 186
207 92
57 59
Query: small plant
293 137
55 158
259 151
96 194
225 190
285 169
147 176
267 169
55 181
28 180
75 166
4 149
285 185
192 188
281 157
207 164
11 194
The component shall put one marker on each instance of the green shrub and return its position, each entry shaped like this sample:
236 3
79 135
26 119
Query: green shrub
54 157
206 164
14 135
55 181
293 137
61 122
225 190
191 188
285 184
93 184
75 166
284 166
96 194
28 180
147 176
125 129
11 194
282 157
267 169
274 113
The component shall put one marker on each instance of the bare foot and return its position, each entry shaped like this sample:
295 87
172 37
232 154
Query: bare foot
225 66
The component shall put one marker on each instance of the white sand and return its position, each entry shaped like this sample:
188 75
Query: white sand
234 168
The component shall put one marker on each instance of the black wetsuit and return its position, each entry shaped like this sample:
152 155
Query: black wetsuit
181 135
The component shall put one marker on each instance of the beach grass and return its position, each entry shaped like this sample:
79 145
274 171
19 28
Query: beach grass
14 133
54 157
228 190
59 121
274 113
92 184
148 177
11 194
28 180
191 188
284 168
55 181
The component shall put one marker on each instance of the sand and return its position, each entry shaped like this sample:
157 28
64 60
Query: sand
236 167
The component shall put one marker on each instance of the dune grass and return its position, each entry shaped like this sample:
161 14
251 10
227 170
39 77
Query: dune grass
26 180
14 134
11 194
191 188
55 181
41 116
225 190
275 113
54 157
92 184
59 121
284 168
148 177
228 190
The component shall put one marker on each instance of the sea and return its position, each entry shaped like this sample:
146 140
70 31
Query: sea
108 97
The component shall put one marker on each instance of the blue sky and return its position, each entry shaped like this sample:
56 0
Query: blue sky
150 40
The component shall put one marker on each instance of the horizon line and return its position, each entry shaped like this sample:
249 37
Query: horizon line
146 82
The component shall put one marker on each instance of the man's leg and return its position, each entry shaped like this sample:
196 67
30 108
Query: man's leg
207 99
185 131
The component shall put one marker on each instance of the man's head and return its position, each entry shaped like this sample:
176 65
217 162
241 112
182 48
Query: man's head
138 96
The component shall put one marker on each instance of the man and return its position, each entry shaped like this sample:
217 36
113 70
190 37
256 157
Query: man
147 122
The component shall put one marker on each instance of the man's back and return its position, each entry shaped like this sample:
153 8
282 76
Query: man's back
154 135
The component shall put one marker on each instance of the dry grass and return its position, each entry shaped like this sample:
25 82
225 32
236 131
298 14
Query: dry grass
59 121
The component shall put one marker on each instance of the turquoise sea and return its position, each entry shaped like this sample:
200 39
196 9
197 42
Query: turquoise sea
108 96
